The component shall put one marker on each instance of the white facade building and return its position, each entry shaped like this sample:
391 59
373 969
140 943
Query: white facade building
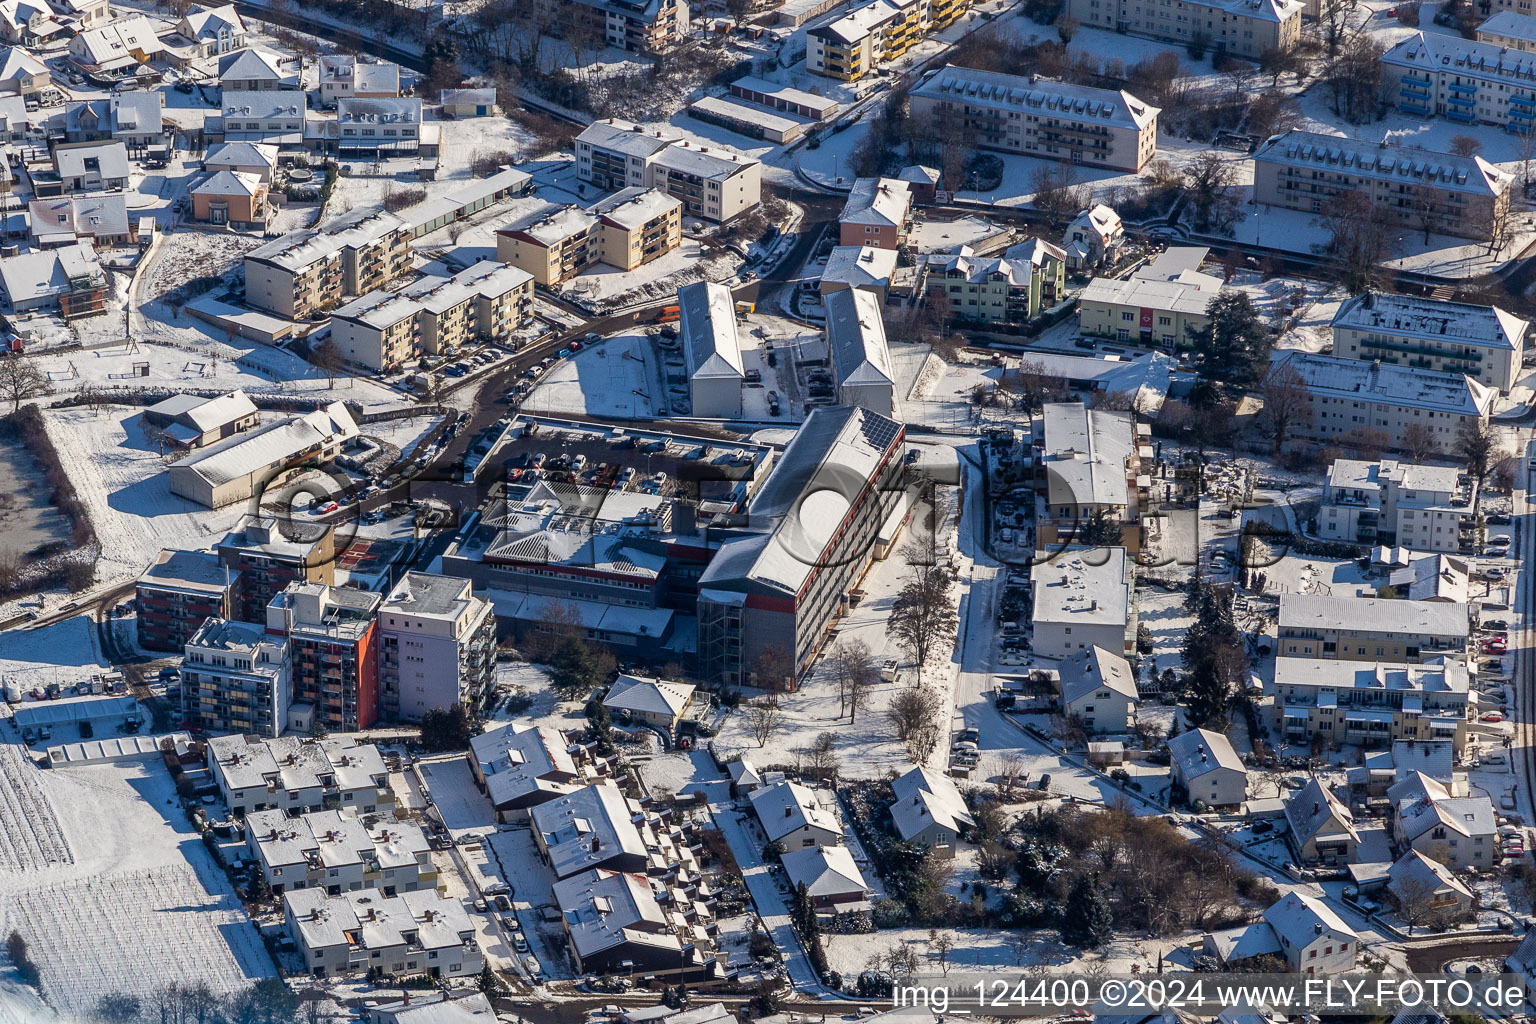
861 360
711 349
437 645
1084 598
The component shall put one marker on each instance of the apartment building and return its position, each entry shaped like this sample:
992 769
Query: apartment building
266 554
436 315
1014 288
777 582
1350 396
1083 598
627 230
306 273
878 213
598 826
409 934
1371 703
713 183
1509 30
618 921
1484 342
1420 189
1423 508
860 42
234 678
269 116
860 357
1039 117
296 775
380 126
176 593
638 225
1241 28
338 852
1159 304
1370 628
1463 80
1444 823
333 651
1088 469
641 26
437 647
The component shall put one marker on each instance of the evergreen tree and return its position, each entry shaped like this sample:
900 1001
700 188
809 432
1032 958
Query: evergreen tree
486 983
1087 922
1232 347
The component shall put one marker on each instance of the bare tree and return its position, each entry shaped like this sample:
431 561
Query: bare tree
20 379
820 759
1066 27
1478 447
327 358
1465 145
773 669
1208 183
940 946
1418 441
923 619
1414 899
853 672
915 714
1334 22
1056 195
1360 237
764 718
1287 404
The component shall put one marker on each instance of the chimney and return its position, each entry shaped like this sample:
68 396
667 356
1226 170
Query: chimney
596 843
787 811
1317 928
1316 807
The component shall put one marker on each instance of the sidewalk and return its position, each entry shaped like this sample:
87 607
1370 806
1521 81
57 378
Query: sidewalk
766 897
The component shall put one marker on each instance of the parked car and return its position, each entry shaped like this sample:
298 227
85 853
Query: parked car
1493 716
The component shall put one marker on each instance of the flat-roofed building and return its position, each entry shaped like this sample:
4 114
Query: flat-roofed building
307 272
641 26
714 183
1084 597
711 349
1369 703
1088 468
267 553
1039 117
1484 342
177 592
1241 28
234 678
1370 628
412 933
333 651
437 647
1424 508
1351 397
861 360
878 213
780 580
1417 189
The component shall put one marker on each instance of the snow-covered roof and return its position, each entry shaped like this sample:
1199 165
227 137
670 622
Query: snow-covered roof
587 828
1100 220
254 64
229 183
355 230
98 216
378 77
1408 387
861 21
648 696
243 454
1412 316
552 225
1088 671
265 104
17 61
1465 815
1087 454
378 109
245 761
751 85
437 1008
634 207
924 797
920 174
1437 675
1408 166
468 97
1509 25
1244 942
1083 586
1198 752
824 871
860 266
1081 104
1434 758
235 637
856 338
73 159
1188 297
206 413
880 202
106 44
1315 813
202 23
197 571
523 766
1409 476
605 909
625 137
367 919
34 275
713 162
785 807
708 330
1415 873
1299 919
241 154
1373 614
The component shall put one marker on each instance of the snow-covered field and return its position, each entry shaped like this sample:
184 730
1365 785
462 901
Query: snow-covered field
618 377
63 652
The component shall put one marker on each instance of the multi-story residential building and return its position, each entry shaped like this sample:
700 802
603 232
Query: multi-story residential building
1241 28
1370 628
69 279
266 554
1395 503
254 69
231 197
255 158
714 183
1013 288
860 356
177 592
644 26
389 125
1444 822
711 349
437 647
269 116
212 30
517 768
1039 117
629 229
344 77
859 42
133 118
384 330
1084 597
1370 703
414 933
333 651
793 816
1484 342
1419 189
1434 75
29 23
1350 397
339 852
1093 239
597 826
1321 827
305 273
1159 304
776 584
1207 766
234 678
1509 30
85 167
859 266
878 213
624 921
295 775
1313 939
1087 465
